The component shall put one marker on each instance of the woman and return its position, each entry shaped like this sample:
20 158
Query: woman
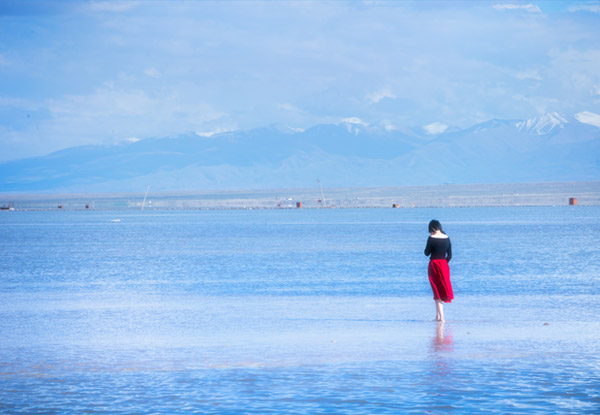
440 249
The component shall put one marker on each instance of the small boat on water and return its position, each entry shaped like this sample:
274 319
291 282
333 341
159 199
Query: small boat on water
9 207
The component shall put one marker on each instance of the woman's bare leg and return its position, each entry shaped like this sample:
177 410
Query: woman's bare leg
439 308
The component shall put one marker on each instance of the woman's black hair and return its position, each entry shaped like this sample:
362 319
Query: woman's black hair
435 225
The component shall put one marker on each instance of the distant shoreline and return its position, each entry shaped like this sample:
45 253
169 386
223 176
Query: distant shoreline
437 196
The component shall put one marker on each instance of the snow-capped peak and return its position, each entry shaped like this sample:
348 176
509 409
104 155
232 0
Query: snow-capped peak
354 125
543 124
587 117
355 120
435 128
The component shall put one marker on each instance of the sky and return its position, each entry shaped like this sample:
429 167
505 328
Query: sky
106 72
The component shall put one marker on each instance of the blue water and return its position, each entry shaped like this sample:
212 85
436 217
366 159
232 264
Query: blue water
298 311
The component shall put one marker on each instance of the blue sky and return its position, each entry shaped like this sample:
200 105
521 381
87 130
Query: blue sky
104 72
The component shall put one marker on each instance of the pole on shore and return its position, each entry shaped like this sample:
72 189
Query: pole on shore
144 202
324 203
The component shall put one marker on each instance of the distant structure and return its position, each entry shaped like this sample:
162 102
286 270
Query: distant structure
572 201
11 206
323 202
395 205
146 195
299 205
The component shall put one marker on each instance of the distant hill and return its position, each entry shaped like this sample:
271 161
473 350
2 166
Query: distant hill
552 147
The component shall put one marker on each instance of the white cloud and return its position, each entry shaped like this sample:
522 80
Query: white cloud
435 128
110 115
587 117
355 120
542 105
213 65
152 72
533 74
103 102
113 6
21 103
531 8
376 3
214 132
131 140
390 127
594 8
377 96
286 107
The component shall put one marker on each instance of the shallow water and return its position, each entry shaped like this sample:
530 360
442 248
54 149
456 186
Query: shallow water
298 311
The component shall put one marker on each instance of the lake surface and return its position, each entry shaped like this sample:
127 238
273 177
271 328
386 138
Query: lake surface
298 311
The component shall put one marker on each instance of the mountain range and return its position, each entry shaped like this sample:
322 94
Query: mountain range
551 147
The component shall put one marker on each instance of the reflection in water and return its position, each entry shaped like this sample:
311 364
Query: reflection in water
440 378
442 345
442 342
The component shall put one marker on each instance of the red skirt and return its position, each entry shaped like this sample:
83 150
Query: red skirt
439 278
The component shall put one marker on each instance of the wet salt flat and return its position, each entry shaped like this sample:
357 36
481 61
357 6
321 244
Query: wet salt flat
321 311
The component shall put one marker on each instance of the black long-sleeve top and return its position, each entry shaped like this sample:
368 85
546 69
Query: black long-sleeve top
439 248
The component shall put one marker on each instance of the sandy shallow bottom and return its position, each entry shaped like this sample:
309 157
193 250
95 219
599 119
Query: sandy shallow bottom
185 354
